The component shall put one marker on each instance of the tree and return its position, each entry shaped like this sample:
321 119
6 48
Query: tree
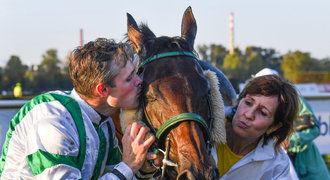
13 72
31 85
66 83
49 72
217 55
232 67
253 61
295 63
203 52
214 53
324 64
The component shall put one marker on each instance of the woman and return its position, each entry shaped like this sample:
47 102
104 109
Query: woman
260 123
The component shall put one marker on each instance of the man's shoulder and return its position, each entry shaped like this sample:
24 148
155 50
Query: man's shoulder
51 100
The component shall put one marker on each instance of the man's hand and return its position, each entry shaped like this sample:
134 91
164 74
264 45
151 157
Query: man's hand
135 147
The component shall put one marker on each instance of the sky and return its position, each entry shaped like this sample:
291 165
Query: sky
28 28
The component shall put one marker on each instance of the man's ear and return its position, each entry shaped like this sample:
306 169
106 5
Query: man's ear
102 89
273 128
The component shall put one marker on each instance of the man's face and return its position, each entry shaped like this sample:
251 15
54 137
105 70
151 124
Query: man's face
127 88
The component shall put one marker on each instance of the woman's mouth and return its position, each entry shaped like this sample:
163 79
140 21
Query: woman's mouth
242 124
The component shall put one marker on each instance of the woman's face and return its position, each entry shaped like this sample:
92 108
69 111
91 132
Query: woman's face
255 116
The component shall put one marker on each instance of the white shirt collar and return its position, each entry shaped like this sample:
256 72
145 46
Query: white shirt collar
86 108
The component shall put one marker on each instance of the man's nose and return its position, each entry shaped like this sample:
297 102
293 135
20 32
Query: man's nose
138 80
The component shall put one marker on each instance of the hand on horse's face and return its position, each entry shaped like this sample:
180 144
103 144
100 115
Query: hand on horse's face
153 162
135 147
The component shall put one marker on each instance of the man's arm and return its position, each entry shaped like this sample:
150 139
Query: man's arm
54 148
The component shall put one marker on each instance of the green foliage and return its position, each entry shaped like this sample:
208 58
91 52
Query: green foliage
294 63
296 66
300 67
213 53
217 55
13 72
203 52
253 60
49 75
312 76
232 66
269 56
324 64
240 65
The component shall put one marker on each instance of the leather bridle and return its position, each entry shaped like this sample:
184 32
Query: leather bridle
162 132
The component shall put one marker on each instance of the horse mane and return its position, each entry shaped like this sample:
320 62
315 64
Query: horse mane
217 129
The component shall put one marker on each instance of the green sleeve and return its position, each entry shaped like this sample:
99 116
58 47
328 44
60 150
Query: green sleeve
299 140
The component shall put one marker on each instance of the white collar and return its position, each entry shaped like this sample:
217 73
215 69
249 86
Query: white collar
264 152
86 108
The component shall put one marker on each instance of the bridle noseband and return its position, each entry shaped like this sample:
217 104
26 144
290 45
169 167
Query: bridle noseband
169 124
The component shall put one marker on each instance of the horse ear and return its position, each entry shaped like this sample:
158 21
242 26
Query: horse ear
189 27
134 34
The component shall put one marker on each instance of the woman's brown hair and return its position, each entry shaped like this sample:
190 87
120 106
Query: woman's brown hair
287 109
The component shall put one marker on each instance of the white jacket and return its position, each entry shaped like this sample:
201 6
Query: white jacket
261 163
59 136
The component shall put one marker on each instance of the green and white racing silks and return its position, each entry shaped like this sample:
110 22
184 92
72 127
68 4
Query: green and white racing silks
59 136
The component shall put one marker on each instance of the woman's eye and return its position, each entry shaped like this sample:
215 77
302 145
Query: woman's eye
263 113
248 103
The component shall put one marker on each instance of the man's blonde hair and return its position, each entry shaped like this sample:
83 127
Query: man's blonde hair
96 62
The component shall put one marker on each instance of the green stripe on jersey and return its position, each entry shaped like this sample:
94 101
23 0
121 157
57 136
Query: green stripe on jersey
73 108
41 160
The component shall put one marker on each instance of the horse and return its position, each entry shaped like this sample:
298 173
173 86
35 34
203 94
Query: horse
175 102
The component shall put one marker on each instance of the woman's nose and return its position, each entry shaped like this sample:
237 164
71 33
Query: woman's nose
250 113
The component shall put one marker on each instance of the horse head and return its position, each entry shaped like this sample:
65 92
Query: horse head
175 99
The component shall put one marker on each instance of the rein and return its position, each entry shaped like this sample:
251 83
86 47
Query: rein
169 124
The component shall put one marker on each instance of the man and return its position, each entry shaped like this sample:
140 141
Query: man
70 135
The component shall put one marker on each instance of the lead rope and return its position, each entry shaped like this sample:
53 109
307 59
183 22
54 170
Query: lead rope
166 161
